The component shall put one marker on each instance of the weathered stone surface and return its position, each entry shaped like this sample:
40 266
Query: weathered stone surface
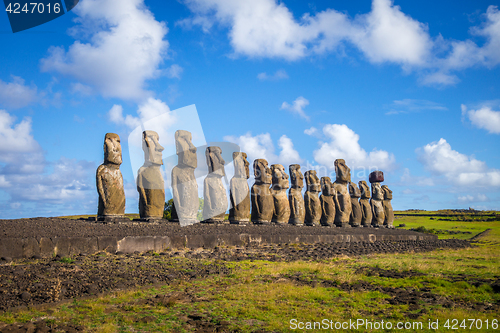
342 199
214 192
389 212
327 202
278 190
311 200
376 177
109 179
150 184
184 186
262 200
364 202
356 214
295 198
239 191
377 203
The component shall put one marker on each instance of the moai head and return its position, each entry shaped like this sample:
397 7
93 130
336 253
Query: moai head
377 192
296 176
215 162
152 148
387 192
185 149
365 189
342 171
261 172
241 165
327 186
112 149
280 178
354 191
312 181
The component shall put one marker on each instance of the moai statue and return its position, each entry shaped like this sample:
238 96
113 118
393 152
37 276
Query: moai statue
366 208
214 192
311 200
239 191
295 199
356 214
109 181
389 212
184 186
150 183
343 202
377 200
278 190
327 202
262 200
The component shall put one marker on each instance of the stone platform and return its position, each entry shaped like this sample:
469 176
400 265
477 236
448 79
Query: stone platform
46 237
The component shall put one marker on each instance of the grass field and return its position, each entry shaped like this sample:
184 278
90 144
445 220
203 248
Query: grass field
432 288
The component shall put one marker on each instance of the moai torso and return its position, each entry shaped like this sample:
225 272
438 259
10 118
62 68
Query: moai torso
295 199
327 202
214 192
389 212
278 190
377 200
366 209
262 200
311 200
109 179
343 198
184 186
356 214
239 191
150 184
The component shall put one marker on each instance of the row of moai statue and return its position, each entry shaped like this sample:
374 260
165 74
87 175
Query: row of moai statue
340 204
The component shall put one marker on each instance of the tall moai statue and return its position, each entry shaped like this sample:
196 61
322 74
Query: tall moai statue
327 202
377 200
150 184
366 208
239 191
295 198
278 190
262 200
184 186
356 214
343 202
389 212
214 193
311 200
109 181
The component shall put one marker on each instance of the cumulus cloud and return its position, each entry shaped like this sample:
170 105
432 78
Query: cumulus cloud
280 74
15 94
297 107
126 47
459 169
311 131
472 198
174 71
15 138
484 118
344 144
150 109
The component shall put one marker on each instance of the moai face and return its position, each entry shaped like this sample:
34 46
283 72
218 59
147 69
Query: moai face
296 176
365 190
342 171
377 192
241 165
185 149
280 178
326 186
354 191
215 162
261 172
312 181
387 192
112 149
152 148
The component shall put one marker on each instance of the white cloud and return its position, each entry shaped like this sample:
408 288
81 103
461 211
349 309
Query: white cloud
125 48
280 74
409 105
311 131
78 88
174 71
484 118
288 155
439 79
16 94
150 109
344 144
298 107
459 169
15 138
472 198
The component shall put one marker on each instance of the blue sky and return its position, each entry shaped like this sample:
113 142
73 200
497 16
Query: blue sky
410 88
